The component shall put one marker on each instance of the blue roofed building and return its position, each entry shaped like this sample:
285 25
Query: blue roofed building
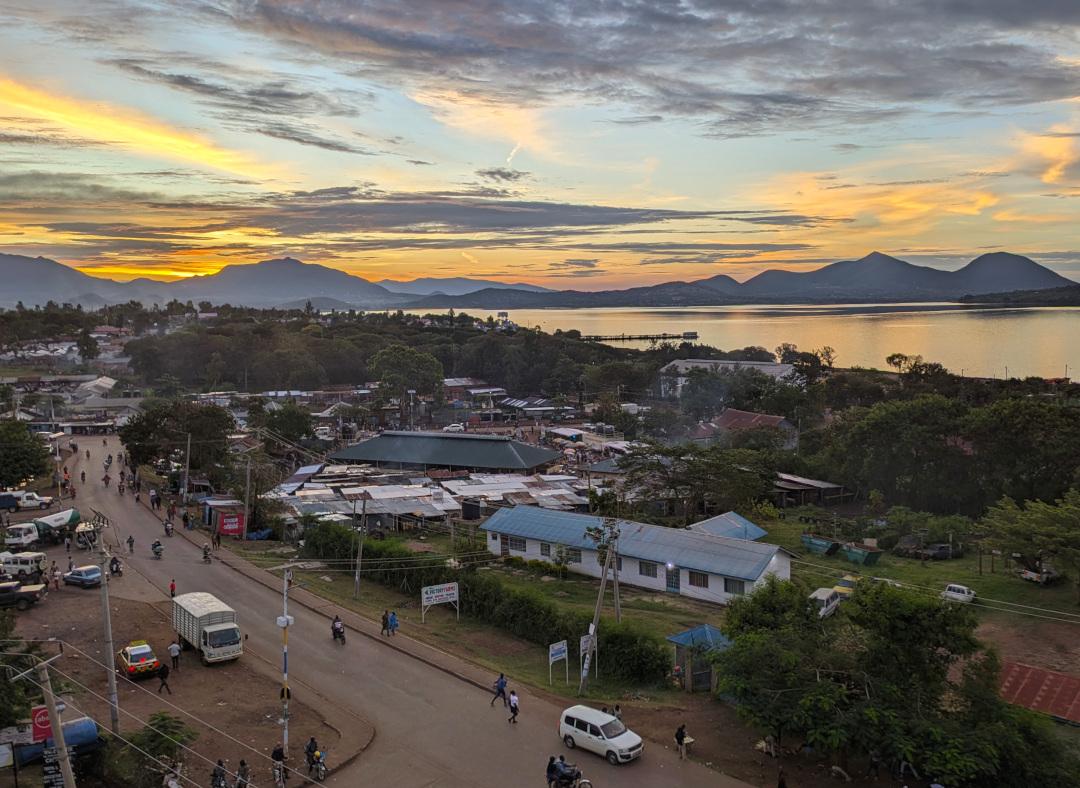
732 525
682 561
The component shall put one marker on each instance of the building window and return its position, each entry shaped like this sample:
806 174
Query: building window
573 555
734 586
646 568
494 537
618 562
545 550
517 543
699 579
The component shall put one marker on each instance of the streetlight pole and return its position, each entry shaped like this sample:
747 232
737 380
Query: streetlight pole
284 620
100 523
364 496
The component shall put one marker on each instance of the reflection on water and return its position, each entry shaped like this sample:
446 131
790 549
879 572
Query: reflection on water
980 341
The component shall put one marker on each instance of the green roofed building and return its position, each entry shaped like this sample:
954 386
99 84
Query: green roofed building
453 451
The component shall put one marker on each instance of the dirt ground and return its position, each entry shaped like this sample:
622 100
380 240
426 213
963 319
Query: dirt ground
1045 644
230 696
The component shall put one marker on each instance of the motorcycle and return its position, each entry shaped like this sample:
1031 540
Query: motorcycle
168 528
319 764
116 569
206 557
157 550
279 775
573 780
339 635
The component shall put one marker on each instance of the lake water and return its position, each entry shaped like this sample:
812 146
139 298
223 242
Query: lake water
975 341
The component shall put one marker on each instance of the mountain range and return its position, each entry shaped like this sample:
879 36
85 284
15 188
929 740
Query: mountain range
289 283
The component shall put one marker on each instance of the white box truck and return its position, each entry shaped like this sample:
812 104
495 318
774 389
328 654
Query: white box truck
208 625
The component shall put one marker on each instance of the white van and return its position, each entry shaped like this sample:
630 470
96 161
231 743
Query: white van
23 565
957 593
20 535
825 601
599 732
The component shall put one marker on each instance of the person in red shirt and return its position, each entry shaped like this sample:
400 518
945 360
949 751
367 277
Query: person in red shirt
172 588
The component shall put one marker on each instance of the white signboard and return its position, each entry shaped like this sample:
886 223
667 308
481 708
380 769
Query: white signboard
587 644
17 734
557 651
7 758
446 593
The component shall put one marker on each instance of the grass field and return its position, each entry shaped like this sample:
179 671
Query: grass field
996 583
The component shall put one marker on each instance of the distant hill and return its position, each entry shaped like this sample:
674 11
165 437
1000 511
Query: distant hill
1054 296
453 286
876 277
289 282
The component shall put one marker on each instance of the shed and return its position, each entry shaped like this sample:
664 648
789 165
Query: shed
692 660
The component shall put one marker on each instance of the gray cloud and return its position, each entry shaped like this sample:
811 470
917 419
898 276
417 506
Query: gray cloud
738 68
576 262
637 120
503 174
420 162
303 136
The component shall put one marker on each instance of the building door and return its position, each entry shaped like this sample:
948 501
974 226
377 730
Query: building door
673 579
504 545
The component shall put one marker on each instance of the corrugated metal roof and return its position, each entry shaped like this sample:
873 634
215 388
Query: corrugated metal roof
731 525
704 635
736 558
451 450
1053 693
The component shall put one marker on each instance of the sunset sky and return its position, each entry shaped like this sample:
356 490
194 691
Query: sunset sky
586 145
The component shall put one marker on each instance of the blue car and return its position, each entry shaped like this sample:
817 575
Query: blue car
84 576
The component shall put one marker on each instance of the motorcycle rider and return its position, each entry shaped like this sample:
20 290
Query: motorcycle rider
337 628
217 779
156 547
243 775
82 477
310 749
206 553
565 773
278 758
114 566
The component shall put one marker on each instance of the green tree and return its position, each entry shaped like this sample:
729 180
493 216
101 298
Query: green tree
290 421
162 429
22 454
1040 532
87 346
16 697
400 368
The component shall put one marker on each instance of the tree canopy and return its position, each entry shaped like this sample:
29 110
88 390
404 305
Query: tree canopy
22 454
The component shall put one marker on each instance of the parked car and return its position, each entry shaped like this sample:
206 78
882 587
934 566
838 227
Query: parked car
825 600
9 502
939 552
137 660
845 587
957 593
25 567
599 732
454 428
1047 574
87 576
15 594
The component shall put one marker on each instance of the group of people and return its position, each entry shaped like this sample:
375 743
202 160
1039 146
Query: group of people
510 701
389 623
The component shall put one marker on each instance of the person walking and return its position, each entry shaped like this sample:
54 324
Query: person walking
243 775
131 544
172 587
174 654
56 575
680 741
617 712
392 622
500 690
71 564
185 518
385 623
514 708
67 542
163 675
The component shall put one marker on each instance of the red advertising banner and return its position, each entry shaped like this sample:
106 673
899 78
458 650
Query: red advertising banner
40 726
232 524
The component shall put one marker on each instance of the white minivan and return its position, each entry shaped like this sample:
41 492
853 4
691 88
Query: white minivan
825 601
954 592
23 566
599 732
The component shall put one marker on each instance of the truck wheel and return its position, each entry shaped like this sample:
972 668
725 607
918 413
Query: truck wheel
204 660
22 604
43 506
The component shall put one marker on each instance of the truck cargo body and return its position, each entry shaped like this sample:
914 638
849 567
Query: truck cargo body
208 625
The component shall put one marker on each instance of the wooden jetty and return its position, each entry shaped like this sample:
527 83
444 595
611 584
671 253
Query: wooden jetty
639 337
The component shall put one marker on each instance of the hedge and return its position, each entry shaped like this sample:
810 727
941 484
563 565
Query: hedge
525 613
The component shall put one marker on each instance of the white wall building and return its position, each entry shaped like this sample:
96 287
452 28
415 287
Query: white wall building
674 375
675 560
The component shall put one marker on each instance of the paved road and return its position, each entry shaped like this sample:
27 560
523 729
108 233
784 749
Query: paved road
431 729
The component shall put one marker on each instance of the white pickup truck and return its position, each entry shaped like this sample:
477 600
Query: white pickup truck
31 500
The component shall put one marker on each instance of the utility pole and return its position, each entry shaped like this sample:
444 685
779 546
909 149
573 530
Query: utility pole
100 522
584 685
360 546
187 470
284 620
247 500
615 569
62 756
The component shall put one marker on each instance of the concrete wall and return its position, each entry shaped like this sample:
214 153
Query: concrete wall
590 565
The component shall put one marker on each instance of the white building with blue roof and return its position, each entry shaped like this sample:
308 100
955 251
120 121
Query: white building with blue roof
693 563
